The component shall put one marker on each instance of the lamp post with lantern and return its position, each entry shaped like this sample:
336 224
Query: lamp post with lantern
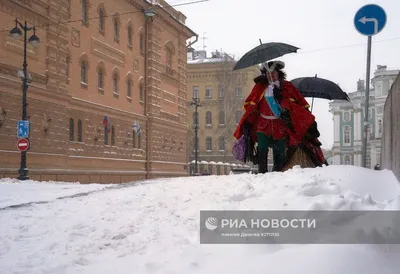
16 33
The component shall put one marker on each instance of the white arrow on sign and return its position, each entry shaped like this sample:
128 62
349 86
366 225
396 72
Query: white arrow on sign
364 20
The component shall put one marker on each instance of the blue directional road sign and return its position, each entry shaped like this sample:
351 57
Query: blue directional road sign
23 129
370 20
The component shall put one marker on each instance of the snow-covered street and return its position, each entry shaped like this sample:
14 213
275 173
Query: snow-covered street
153 226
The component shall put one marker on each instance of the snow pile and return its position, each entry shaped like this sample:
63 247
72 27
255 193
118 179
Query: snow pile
153 226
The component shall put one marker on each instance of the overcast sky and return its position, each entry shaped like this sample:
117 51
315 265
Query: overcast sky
323 29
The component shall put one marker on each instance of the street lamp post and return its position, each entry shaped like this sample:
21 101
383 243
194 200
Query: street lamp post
196 104
34 41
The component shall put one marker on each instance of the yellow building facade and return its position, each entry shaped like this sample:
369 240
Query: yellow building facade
221 93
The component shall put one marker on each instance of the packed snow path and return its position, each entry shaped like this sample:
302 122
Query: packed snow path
153 226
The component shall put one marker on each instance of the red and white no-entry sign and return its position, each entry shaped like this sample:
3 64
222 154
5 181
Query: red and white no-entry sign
23 144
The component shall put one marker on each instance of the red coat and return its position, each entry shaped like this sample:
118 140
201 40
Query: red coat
301 117
250 106
291 100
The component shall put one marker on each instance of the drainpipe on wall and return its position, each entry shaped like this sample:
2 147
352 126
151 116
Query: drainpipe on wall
146 101
191 43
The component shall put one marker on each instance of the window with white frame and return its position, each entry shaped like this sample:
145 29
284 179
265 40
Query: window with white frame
208 118
208 92
195 92
347 135
208 144
222 143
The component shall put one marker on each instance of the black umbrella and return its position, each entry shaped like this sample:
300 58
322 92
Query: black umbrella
319 88
264 53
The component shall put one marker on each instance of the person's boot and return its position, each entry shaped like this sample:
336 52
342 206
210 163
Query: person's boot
262 161
279 162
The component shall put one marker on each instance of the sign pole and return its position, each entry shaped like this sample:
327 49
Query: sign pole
366 111
368 21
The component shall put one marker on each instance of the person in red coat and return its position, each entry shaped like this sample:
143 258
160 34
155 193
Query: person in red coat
272 130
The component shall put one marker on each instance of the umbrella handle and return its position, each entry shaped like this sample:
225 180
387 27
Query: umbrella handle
270 75
312 104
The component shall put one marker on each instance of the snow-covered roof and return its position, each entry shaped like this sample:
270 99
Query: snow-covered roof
206 60
154 2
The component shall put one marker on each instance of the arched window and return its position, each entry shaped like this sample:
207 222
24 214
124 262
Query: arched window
101 20
208 144
71 130
380 126
130 35
133 139
85 12
115 81
168 56
84 72
116 27
129 84
80 131
112 136
100 77
222 143
208 118
141 91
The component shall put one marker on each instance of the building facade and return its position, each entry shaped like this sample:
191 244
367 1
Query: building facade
348 120
221 93
101 67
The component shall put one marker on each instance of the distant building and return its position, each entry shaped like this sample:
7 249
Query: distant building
222 93
348 120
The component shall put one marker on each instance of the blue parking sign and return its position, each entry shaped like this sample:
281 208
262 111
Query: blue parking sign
23 129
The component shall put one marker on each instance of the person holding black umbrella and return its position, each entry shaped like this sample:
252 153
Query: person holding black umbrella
279 115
